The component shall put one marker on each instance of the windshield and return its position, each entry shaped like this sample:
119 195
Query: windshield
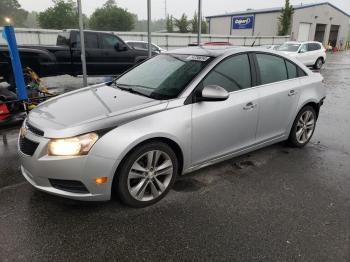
289 47
164 76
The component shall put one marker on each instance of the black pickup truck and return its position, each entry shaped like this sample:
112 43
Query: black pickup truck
106 54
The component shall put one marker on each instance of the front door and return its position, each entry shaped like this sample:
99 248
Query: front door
115 61
219 128
305 55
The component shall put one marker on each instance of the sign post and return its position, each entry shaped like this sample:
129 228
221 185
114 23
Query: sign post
82 43
9 35
149 20
199 22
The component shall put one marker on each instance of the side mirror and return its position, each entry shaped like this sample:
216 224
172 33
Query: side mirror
120 47
301 51
213 93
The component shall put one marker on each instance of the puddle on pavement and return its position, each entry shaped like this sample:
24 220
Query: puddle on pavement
244 164
187 185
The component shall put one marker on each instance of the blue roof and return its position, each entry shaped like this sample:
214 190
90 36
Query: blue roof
277 9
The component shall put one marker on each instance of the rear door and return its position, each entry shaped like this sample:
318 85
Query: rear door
279 95
314 51
219 128
92 53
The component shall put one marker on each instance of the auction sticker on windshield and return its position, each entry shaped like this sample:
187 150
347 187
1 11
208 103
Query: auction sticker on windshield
197 58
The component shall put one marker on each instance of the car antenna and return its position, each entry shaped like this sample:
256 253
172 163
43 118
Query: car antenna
255 39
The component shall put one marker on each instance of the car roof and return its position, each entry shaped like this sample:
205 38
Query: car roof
212 51
135 41
305 42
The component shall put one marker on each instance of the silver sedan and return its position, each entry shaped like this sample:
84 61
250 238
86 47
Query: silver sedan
172 114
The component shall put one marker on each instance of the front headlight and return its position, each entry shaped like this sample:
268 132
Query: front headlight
73 146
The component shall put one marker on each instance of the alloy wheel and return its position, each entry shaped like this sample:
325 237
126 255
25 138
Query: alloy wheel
305 127
150 175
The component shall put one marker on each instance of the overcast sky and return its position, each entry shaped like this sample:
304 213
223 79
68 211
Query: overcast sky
177 7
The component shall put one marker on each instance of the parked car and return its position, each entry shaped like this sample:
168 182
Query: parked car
271 47
309 53
142 45
173 114
106 54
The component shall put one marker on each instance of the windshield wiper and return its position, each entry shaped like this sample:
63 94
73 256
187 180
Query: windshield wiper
130 90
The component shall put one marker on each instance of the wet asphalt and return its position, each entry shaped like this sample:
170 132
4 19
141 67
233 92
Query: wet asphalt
276 204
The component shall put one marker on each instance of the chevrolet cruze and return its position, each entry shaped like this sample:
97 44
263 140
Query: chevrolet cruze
172 114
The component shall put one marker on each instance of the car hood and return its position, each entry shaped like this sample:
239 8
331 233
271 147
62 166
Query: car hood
91 109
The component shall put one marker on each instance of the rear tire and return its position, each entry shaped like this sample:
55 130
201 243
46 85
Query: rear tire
303 127
146 174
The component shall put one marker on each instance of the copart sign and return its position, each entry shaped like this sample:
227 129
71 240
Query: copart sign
243 22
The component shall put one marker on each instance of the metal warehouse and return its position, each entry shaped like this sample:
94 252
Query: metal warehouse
321 22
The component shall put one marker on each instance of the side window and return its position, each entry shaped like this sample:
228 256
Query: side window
91 40
272 68
232 74
314 47
292 70
109 41
304 48
139 46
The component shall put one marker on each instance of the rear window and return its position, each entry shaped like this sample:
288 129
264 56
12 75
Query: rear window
314 47
63 39
289 47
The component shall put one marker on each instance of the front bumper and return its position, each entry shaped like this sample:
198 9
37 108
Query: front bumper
39 168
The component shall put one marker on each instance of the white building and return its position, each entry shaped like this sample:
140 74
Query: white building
321 22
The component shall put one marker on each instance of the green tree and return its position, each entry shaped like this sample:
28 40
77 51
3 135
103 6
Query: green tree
13 10
32 20
62 15
182 24
156 25
285 20
112 17
194 24
204 26
170 24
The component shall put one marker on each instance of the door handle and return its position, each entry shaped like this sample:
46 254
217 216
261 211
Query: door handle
249 106
292 93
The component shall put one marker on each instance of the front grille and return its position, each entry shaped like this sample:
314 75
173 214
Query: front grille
71 186
27 146
35 130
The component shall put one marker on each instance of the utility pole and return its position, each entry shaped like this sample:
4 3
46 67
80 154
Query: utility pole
82 43
149 20
199 22
166 10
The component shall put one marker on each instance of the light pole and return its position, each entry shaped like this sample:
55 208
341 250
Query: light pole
199 22
82 43
149 28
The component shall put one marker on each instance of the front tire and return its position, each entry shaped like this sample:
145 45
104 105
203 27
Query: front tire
303 127
146 174
318 64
